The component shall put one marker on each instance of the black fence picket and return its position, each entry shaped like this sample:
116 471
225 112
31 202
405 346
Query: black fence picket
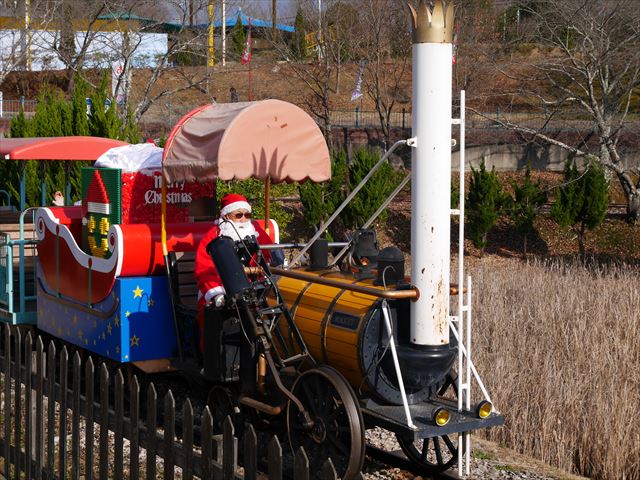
187 439
206 425
118 451
103 473
28 405
17 405
39 445
6 414
76 413
134 415
89 376
274 458
42 385
51 408
169 434
152 418
250 451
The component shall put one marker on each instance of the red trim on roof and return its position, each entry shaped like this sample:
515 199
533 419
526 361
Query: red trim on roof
56 148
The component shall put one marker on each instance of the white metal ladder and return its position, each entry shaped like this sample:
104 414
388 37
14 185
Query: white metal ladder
463 318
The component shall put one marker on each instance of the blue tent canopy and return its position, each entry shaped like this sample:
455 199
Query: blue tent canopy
255 22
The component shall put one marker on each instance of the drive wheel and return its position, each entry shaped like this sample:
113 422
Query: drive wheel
431 455
338 430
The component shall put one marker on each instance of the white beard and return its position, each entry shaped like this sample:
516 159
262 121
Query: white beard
237 230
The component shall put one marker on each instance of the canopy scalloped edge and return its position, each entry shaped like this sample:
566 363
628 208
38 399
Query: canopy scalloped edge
268 138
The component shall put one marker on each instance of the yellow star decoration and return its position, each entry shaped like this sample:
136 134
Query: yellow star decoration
109 328
117 349
94 343
127 313
74 320
151 302
116 321
59 331
95 324
103 336
80 334
134 341
137 292
86 341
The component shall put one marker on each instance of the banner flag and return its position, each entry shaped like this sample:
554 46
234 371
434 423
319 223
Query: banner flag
357 91
246 55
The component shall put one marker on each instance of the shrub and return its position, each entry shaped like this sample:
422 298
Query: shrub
484 203
523 207
320 200
374 192
582 200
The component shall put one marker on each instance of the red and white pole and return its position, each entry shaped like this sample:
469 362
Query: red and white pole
431 171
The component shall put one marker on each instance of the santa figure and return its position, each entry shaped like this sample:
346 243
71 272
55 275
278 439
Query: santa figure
234 222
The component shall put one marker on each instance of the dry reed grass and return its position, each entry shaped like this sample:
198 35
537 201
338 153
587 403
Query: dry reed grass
558 348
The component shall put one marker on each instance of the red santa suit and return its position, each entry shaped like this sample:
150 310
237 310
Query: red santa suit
205 272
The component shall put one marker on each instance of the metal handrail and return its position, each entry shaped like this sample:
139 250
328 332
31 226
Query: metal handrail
23 300
347 200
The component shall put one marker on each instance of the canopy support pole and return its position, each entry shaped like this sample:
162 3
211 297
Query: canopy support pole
167 264
267 204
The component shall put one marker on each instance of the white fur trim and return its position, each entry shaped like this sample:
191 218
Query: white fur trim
232 207
219 290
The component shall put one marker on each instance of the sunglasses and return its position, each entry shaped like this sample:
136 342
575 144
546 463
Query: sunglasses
239 215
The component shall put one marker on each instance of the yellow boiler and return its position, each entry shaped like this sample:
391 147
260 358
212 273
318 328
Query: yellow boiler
345 329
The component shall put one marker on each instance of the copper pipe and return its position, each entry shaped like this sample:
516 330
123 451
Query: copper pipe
253 271
262 373
411 293
260 406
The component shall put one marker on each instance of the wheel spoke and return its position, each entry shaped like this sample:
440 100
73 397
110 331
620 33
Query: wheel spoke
330 401
311 400
452 448
436 444
425 450
341 447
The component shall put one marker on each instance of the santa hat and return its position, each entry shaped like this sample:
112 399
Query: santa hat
232 202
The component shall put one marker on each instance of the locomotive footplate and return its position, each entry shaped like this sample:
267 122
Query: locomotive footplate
393 418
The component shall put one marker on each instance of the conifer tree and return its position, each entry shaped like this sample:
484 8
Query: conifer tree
527 199
582 200
79 105
103 120
374 192
319 200
238 38
484 204
298 40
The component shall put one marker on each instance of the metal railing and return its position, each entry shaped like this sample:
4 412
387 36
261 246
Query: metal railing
11 108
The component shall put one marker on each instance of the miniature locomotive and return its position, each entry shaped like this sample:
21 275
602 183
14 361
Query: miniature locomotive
316 352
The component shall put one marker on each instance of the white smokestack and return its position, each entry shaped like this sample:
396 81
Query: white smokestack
431 171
